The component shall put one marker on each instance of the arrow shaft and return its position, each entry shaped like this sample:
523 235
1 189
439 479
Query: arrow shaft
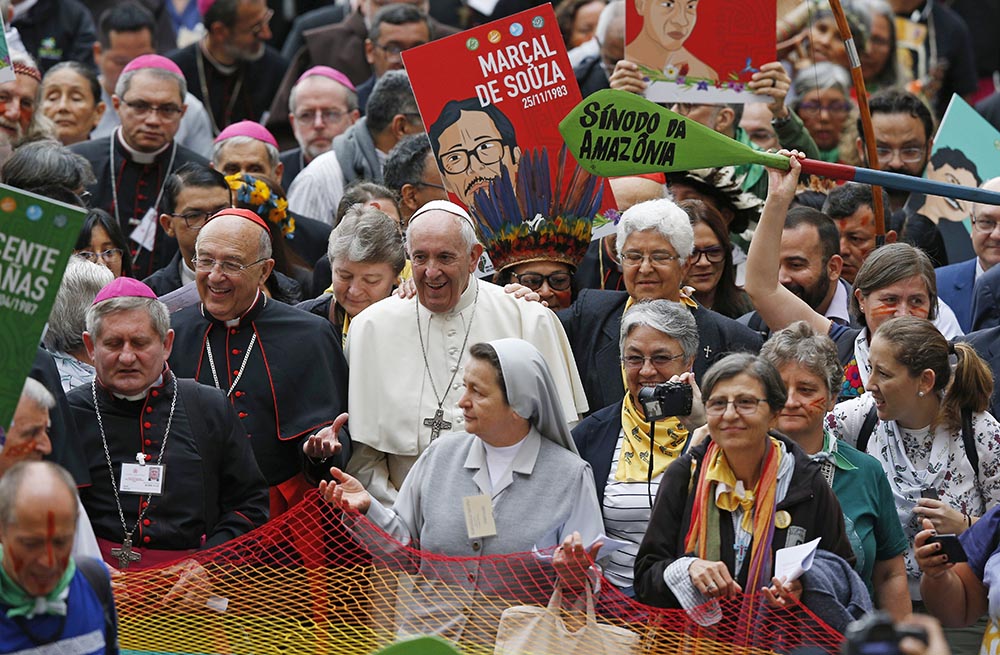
899 181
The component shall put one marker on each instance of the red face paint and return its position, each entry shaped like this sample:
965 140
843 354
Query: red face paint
50 533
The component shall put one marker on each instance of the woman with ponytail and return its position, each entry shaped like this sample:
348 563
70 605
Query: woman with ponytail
938 446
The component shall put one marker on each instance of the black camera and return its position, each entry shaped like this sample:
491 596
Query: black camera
876 634
666 399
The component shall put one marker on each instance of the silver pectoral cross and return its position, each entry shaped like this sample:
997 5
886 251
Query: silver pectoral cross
437 424
125 555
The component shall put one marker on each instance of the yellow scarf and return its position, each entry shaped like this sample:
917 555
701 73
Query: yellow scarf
717 470
633 463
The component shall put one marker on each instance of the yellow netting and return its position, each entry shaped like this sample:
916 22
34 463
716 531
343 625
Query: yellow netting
306 583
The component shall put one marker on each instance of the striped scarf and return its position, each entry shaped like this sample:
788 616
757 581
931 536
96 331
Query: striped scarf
703 536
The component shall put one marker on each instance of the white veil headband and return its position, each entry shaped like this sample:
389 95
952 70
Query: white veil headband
531 392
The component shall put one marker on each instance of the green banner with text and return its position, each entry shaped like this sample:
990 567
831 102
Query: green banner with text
37 236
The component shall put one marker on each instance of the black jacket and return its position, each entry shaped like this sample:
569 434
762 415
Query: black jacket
809 500
58 30
593 323
596 437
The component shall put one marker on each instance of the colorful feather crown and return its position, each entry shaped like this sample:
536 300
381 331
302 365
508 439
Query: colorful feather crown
537 222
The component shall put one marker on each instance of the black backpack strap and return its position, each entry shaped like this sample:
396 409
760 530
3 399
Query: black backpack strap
96 574
871 418
969 441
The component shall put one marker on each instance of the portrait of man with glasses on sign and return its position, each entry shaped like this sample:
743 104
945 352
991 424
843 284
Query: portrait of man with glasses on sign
472 143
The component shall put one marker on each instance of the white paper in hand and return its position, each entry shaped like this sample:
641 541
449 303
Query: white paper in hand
790 563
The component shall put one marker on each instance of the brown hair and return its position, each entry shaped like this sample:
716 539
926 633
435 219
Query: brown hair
919 346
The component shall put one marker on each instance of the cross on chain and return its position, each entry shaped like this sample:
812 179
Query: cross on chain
125 555
437 424
708 351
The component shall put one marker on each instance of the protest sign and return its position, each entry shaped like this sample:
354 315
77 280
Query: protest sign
700 52
37 236
966 151
491 94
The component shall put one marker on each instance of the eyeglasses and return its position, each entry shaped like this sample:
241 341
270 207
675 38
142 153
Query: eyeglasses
636 362
907 154
431 185
743 406
713 255
142 108
85 197
634 258
196 219
325 116
259 26
204 264
457 161
393 48
812 109
558 281
109 255
984 225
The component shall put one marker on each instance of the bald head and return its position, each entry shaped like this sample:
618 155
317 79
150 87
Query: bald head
633 190
34 485
233 260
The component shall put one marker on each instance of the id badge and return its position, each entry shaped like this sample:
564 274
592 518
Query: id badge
145 233
479 516
142 479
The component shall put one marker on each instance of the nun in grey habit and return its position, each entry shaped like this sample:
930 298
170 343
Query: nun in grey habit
519 464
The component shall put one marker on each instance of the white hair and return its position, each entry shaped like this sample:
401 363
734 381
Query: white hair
665 217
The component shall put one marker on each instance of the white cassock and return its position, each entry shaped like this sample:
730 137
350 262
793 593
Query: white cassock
390 394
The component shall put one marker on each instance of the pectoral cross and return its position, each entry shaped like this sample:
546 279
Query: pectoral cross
437 423
125 554
708 351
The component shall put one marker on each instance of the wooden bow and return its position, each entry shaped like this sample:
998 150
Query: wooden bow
868 132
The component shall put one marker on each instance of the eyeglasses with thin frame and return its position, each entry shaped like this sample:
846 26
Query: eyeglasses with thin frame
983 225
327 116
259 26
635 258
714 255
811 108
196 219
907 154
109 255
394 49
229 268
744 406
457 160
431 185
141 108
558 281
636 362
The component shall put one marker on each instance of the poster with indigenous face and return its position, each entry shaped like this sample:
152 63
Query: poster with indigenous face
964 152
705 51
491 99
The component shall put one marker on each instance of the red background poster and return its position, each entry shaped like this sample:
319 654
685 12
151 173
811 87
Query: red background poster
518 65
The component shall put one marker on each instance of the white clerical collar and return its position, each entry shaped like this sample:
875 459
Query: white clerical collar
135 155
216 64
23 8
979 268
187 275
142 394
468 296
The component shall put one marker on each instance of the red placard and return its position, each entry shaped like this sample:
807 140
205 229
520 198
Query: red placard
493 93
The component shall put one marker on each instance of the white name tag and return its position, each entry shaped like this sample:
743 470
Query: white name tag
479 516
142 479
145 233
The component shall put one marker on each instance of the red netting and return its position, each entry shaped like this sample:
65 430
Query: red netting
315 581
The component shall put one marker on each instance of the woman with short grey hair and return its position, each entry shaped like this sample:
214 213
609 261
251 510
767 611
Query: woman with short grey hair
628 453
64 336
823 102
366 259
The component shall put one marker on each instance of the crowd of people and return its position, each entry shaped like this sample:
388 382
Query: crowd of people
272 293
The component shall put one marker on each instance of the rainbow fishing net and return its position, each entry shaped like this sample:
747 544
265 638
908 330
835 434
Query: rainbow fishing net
314 581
